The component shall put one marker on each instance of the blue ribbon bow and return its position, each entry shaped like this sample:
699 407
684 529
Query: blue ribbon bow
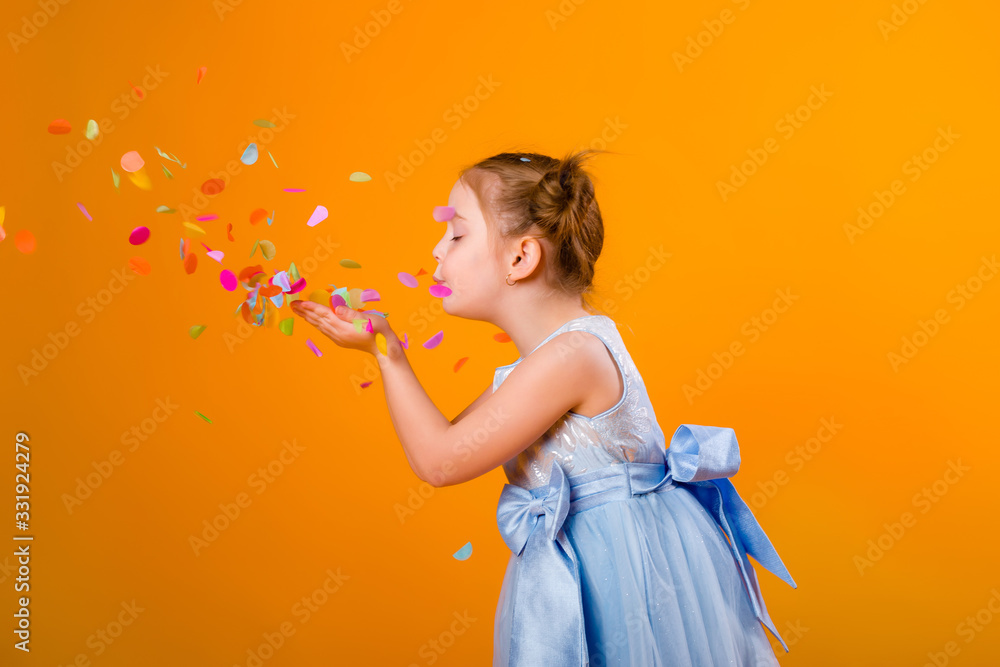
549 629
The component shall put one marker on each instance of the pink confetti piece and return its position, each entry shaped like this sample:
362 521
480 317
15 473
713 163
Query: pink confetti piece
293 189
84 209
132 161
369 295
319 214
434 340
444 213
207 247
368 327
406 342
217 255
407 279
139 236
210 216
297 286
337 300
228 279
312 346
439 290
365 384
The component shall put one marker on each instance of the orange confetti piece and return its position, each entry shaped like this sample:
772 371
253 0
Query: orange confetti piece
259 215
229 231
139 265
201 74
25 241
138 92
190 262
460 363
501 337
59 126
213 186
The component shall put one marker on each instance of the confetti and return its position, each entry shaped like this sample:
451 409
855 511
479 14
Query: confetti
166 172
190 263
201 74
312 346
257 215
116 178
171 157
368 327
286 326
196 330
228 279
272 159
84 210
249 155
132 161
59 126
407 279
92 131
294 189
364 385
139 236
439 290
370 295
381 344
217 255
139 266
206 217
229 231
263 123
464 552
213 186
318 215
165 209
138 92
141 180
349 264
501 337
460 363
267 249
194 228
360 177
444 213
203 416
24 240
434 340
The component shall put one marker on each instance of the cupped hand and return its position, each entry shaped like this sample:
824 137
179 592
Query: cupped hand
338 325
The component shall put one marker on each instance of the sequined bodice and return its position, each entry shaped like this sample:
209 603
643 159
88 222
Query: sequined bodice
627 432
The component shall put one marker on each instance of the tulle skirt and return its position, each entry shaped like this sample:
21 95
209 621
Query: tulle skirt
659 587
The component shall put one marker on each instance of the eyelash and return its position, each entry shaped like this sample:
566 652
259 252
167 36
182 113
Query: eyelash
457 238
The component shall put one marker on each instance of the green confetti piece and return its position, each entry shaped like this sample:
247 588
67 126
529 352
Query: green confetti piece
116 178
349 264
165 209
293 272
360 177
255 247
166 171
285 326
196 330
203 416
92 130
263 123
272 160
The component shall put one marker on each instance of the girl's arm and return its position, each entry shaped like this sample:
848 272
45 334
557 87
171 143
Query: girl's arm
546 385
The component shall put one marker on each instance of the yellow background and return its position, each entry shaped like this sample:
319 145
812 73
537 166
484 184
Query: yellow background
564 76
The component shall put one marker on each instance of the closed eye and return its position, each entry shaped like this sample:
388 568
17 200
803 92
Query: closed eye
457 238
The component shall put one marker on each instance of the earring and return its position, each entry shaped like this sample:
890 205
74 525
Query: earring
511 284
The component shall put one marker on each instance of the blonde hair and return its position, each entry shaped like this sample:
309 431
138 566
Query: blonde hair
532 194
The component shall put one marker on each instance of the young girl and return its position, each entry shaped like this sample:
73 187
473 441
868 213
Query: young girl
625 551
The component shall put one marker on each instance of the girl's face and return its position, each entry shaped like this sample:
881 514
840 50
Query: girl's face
467 266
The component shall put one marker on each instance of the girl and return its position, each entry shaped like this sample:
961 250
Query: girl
624 551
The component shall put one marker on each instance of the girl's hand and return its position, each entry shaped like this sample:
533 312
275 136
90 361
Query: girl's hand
338 325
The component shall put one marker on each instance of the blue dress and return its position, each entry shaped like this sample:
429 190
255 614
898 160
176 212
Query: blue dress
625 551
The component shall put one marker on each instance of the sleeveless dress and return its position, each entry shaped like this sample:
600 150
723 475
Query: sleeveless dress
625 551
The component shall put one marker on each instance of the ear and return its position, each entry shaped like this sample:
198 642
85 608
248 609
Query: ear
527 258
